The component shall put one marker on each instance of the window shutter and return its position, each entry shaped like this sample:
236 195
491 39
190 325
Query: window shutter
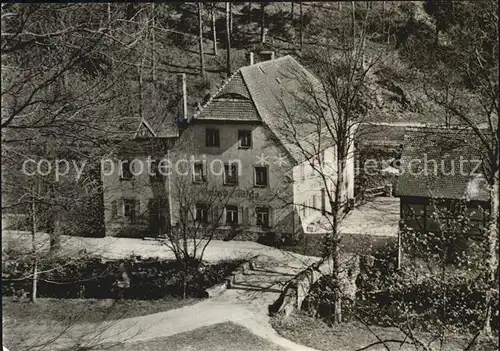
246 219
191 213
252 216
240 215
122 207
271 217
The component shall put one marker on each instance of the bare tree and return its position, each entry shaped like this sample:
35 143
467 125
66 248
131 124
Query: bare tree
476 60
262 22
328 111
228 40
301 27
444 261
197 215
214 30
200 39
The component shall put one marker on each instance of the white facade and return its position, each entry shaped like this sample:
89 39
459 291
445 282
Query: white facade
314 187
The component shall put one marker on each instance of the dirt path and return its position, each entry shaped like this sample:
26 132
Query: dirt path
246 304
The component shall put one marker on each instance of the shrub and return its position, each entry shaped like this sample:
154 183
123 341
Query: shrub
132 278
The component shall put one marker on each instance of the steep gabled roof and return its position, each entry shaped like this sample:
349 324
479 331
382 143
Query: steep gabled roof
145 130
232 102
443 150
267 92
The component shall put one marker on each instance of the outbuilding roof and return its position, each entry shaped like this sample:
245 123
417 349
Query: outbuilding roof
442 163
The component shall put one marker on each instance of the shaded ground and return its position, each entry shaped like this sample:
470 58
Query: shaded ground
246 304
47 310
378 217
224 336
352 336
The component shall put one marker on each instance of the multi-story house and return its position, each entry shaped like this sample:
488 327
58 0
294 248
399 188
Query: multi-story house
233 166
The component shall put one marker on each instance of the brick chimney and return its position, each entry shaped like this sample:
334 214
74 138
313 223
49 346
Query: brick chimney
250 58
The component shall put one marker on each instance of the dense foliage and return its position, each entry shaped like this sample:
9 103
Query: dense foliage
133 278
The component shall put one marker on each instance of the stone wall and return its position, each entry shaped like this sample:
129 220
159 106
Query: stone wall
298 288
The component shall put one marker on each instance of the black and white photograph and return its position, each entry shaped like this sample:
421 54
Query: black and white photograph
250 175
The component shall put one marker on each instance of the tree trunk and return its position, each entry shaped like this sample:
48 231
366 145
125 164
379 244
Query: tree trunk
200 31
249 12
353 19
230 18
262 23
228 42
184 282
153 43
54 224
492 259
291 13
333 241
109 16
214 32
33 242
301 28
35 280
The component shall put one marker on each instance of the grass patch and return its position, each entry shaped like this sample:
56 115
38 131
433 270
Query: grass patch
314 333
224 336
68 311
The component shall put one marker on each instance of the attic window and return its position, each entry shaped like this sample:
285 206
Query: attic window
262 70
278 80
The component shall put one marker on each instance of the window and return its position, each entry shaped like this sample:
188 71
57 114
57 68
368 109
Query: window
261 176
212 137
126 172
262 216
129 209
155 173
198 174
231 215
244 139
230 174
304 209
201 213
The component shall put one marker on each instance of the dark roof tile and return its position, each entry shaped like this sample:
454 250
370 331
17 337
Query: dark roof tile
431 162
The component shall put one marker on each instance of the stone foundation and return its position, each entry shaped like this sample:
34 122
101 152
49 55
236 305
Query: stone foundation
298 288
